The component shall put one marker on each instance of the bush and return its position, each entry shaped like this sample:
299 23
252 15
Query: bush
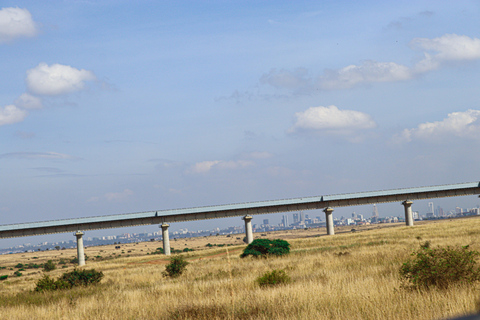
264 247
45 284
176 267
82 277
49 266
69 280
17 273
441 267
18 266
3 277
273 278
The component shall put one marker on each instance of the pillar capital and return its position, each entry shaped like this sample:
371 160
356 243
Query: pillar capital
247 218
164 226
328 210
78 234
407 203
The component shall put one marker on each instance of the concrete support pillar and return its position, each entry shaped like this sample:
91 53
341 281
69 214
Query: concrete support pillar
329 219
80 252
407 204
248 228
166 239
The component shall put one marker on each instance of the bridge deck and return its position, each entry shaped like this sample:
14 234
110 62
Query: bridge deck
241 209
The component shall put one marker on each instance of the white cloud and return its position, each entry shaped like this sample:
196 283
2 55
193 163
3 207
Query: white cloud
332 119
57 79
16 23
11 114
27 101
449 47
457 124
206 166
367 72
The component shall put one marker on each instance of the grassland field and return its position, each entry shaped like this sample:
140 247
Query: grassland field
351 275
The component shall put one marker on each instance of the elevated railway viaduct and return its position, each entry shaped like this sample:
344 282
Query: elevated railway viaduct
246 210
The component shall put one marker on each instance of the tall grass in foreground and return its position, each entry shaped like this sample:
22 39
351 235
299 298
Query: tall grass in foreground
346 276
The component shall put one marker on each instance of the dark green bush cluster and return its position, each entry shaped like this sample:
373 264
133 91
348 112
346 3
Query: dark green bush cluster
49 266
265 247
441 267
69 280
273 278
3 277
176 267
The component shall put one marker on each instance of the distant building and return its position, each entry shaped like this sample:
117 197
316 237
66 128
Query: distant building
285 221
375 212
431 210
295 217
265 222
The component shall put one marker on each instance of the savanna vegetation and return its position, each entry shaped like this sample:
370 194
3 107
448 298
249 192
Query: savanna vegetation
352 275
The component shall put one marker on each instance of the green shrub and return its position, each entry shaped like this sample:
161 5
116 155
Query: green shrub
82 277
17 273
18 266
264 247
176 267
69 280
3 277
273 278
49 266
441 267
45 284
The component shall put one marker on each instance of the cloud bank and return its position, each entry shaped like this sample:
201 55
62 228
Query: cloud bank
457 124
16 23
437 53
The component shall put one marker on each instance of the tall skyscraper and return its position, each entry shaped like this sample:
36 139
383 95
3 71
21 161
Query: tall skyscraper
285 220
431 208
375 211
302 217
295 217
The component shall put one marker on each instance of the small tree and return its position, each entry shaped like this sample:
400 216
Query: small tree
176 267
441 267
264 247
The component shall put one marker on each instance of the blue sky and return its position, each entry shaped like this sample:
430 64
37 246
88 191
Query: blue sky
124 106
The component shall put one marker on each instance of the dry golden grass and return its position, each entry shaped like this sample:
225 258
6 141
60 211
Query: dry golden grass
346 276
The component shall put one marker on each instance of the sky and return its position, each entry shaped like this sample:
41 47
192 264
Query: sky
111 107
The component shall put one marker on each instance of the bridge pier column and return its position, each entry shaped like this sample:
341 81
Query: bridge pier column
248 228
166 239
80 251
329 219
407 204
